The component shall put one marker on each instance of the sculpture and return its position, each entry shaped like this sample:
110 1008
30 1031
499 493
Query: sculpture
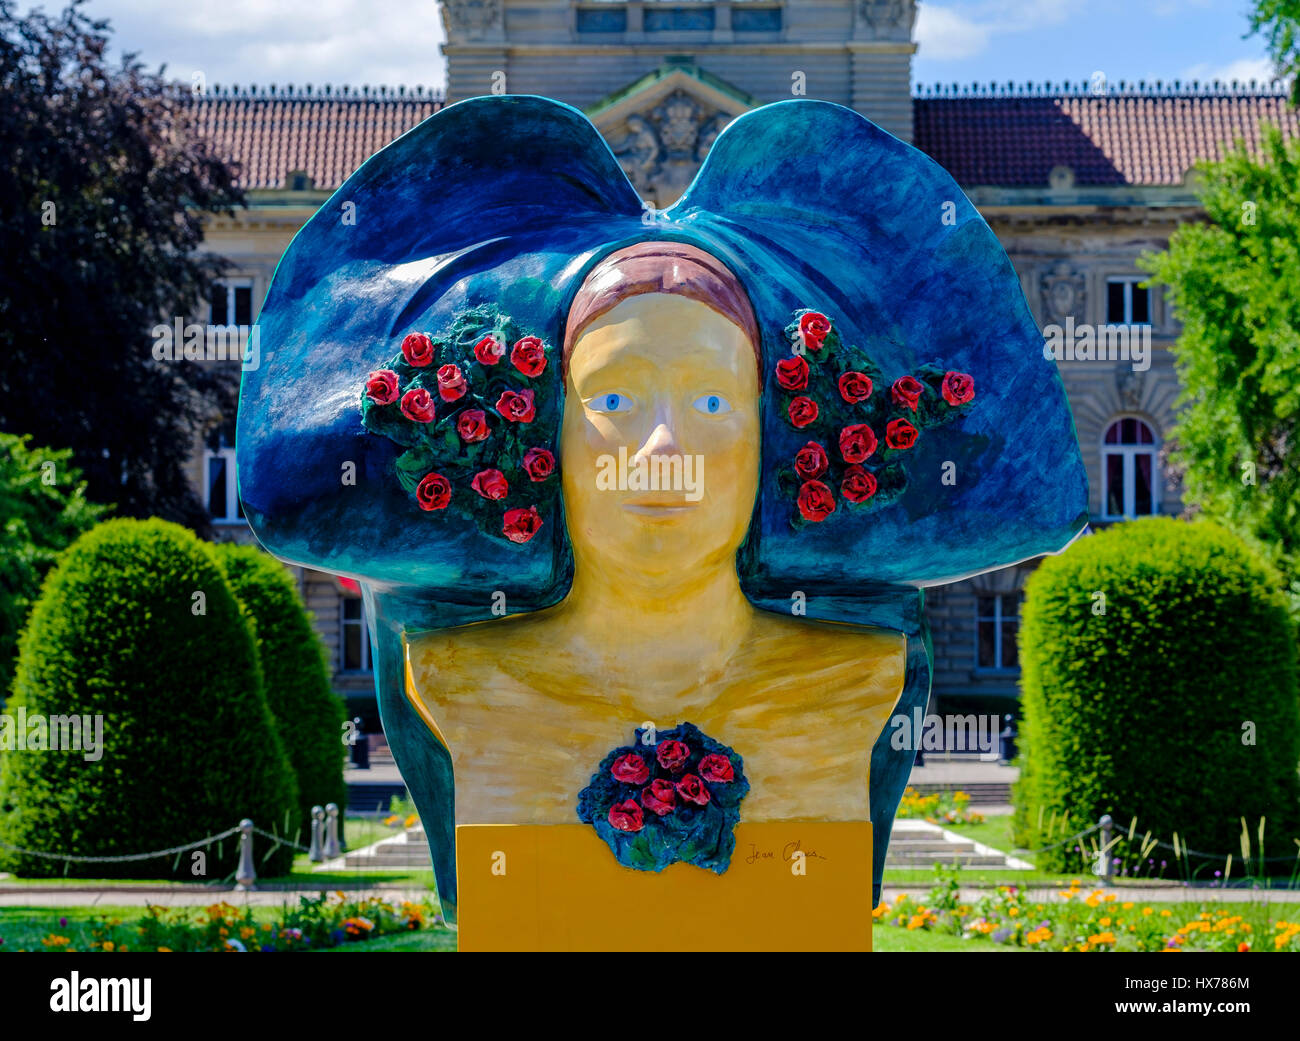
860 378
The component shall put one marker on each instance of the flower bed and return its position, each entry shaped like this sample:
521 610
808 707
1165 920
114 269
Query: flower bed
1091 921
317 923
944 808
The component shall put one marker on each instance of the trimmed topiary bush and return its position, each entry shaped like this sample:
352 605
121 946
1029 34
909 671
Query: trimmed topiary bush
308 714
1158 681
136 625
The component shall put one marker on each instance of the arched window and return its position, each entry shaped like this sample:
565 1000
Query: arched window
1129 485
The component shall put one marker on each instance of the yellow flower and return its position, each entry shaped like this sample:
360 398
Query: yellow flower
1092 901
1166 913
108 945
1104 922
247 932
1148 910
1127 905
266 927
1013 911
1101 938
410 821
167 950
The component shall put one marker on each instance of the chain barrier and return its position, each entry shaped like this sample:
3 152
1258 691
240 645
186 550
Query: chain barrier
124 859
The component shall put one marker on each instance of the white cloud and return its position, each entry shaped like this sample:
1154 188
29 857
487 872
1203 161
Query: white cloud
1243 70
947 34
290 41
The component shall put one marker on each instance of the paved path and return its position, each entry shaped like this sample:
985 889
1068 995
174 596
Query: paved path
1138 894
139 896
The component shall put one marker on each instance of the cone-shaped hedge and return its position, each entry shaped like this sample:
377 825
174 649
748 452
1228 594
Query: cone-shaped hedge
1158 681
136 624
308 714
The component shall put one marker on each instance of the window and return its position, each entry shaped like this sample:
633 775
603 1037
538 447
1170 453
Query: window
221 495
232 302
997 618
354 642
1127 303
1128 470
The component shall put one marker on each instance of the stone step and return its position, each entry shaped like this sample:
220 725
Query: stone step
929 845
926 860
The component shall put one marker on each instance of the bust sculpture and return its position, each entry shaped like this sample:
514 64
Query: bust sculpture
642 510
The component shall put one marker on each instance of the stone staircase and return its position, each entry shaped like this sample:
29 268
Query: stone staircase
404 851
920 844
913 844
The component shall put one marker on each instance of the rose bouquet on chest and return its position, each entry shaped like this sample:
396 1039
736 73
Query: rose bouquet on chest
667 797
861 423
477 412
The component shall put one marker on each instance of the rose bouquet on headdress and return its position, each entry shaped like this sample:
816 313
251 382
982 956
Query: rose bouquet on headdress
860 426
674 798
477 421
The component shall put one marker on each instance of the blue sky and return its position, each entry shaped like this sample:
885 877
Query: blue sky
396 41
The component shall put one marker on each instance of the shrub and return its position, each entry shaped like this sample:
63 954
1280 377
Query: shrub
1173 699
189 746
43 507
308 714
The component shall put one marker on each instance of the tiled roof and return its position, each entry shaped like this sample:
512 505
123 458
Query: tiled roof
1010 138
272 135
1146 138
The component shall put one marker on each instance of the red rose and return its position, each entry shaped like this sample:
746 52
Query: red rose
472 426
489 350
659 797
433 492
451 383
521 525
417 349
858 485
816 502
803 411
900 434
855 387
672 755
417 405
381 387
626 816
906 392
528 356
692 789
539 464
857 442
811 461
717 769
958 388
491 484
813 329
517 406
630 769
792 373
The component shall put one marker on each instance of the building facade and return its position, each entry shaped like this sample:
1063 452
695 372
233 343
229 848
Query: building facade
1077 183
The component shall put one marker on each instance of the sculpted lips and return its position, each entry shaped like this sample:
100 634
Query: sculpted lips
659 505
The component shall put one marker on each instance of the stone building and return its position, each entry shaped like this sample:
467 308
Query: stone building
1076 182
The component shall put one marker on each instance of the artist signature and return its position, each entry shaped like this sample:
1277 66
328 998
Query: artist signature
787 853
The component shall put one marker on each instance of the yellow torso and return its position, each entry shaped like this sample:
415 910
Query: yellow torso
528 707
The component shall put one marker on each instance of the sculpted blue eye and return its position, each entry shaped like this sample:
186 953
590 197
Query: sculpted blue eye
713 404
611 403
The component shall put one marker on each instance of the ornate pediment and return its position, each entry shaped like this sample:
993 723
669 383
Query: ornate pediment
662 126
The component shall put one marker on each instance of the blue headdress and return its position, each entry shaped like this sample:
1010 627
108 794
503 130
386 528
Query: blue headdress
507 202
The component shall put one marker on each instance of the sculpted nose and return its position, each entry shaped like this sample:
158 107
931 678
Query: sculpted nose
662 441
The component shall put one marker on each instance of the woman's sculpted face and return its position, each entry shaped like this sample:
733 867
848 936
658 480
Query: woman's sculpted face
660 438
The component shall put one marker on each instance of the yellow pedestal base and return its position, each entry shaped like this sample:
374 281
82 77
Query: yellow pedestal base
559 888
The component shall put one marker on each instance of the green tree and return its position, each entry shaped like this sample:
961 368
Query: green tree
1158 681
1232 278
308 714
135 625
43 508
1278 21
104 188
